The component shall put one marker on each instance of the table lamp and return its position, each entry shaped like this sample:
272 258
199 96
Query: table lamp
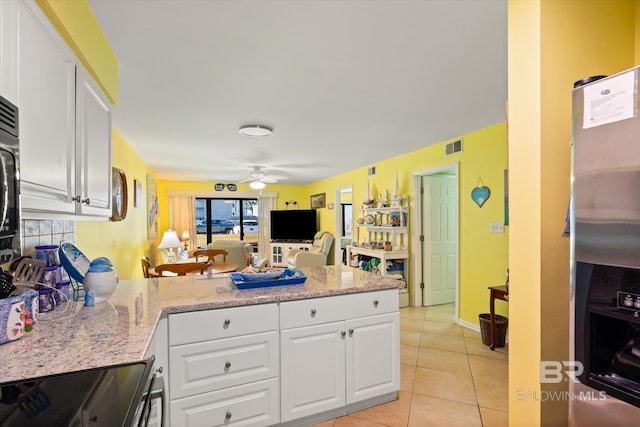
185 240
169 241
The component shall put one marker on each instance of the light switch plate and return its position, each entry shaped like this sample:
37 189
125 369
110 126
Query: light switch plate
496 227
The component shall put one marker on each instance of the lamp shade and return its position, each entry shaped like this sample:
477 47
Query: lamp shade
185 236
257 185
170 239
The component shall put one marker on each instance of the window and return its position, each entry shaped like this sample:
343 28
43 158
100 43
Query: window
226 219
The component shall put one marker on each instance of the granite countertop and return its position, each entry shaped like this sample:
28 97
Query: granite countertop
119 330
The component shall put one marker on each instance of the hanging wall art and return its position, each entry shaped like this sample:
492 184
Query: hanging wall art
480 194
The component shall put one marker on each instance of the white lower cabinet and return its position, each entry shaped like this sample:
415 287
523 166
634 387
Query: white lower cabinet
224 367
288 363
336 359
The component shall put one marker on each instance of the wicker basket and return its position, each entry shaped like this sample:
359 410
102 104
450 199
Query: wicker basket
501 329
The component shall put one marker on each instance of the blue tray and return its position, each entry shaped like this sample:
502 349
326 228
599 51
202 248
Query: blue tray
248 281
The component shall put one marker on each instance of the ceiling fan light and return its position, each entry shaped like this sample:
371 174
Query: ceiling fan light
257 185
255 130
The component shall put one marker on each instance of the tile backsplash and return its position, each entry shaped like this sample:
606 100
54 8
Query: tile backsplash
46 232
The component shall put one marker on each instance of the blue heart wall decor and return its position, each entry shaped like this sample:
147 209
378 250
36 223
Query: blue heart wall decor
480 195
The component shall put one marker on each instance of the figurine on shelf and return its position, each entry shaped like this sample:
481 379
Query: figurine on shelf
383 200
368 202
396 197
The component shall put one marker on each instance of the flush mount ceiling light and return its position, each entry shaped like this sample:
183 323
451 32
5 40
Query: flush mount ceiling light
257 185
255 130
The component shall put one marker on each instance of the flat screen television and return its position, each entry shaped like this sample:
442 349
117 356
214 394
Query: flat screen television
293 225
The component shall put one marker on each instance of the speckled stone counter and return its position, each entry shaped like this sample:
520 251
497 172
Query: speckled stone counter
119 330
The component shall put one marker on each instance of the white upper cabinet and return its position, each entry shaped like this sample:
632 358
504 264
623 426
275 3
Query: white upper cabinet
93 148
64 119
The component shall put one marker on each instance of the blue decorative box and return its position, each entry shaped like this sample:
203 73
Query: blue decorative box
262 280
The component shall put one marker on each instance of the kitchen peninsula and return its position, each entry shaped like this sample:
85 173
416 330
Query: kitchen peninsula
288 354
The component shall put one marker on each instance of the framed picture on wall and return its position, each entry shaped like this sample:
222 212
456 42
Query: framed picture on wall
137 193
318 201
152 208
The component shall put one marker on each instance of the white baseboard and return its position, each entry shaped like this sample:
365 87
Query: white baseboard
468 325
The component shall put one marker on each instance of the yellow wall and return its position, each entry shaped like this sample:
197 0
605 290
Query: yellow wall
483 255
551 45
75 21
123 242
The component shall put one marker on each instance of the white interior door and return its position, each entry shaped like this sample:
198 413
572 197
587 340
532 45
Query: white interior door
440 240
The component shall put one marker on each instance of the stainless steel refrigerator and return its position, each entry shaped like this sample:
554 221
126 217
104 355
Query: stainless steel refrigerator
605 261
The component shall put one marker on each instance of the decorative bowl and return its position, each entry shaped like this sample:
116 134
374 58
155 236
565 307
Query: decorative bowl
73 261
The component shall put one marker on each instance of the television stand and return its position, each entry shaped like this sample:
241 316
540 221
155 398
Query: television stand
280 251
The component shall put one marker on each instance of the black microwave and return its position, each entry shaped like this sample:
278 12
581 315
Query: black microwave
9 182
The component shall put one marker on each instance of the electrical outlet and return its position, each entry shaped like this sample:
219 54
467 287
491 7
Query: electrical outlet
496 227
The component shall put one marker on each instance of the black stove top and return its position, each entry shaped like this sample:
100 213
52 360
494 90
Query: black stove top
107 396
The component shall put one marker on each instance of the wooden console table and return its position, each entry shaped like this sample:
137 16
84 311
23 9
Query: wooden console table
501 293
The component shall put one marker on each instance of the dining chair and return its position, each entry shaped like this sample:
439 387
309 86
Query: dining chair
211 254
146 264
181 269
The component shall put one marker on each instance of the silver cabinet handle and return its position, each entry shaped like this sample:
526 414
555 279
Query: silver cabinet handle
375 302
79 199
227 365
313 312
226 324
350 332
343 333
228 416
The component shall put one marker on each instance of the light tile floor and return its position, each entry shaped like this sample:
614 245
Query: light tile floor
448 377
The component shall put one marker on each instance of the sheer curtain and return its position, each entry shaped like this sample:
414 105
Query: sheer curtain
182 216
266 203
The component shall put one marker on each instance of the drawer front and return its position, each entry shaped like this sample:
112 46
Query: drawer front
198 326
213 365
255 404
294 314
372 303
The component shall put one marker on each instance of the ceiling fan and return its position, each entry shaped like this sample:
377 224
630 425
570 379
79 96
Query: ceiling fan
259 178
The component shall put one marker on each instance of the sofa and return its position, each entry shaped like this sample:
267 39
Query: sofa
237 250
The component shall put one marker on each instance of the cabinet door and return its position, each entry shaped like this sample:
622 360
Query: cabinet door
312 370
45 73
93 148
373 356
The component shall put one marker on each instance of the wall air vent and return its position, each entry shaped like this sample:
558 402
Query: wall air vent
453 147
372 170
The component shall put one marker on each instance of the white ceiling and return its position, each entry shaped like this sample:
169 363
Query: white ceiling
344 84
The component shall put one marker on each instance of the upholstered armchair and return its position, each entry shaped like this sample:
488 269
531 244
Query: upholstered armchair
315 256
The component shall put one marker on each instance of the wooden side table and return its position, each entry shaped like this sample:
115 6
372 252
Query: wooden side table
501 293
